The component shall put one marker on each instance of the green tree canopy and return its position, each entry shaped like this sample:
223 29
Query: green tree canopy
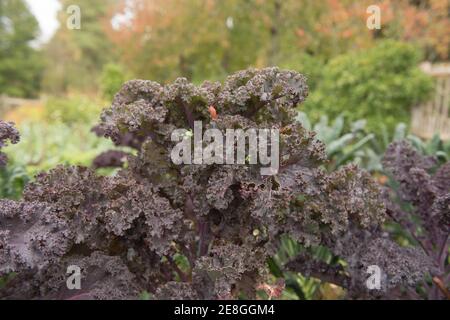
20 64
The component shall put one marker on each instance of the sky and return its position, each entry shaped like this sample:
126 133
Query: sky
45 12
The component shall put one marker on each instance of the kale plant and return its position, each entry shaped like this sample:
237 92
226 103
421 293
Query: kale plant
420 203
199 231
7 132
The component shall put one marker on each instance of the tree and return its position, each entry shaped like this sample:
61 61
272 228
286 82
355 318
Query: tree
196 39
72 54
182 231
20 64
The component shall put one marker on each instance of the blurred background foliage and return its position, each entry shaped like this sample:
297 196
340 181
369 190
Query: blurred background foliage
57 132
363 83
208 39
354 142
380 84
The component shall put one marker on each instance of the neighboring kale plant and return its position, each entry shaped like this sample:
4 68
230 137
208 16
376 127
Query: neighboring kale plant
419 202
198 231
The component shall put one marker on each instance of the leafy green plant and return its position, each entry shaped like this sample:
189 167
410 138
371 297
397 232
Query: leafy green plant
77 109
12 181
46 145
298 286
183 231
373 153
21 65
368 151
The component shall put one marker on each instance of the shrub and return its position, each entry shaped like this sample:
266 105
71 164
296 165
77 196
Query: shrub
380 84
352 142
76 109
112 79
199 231
57 132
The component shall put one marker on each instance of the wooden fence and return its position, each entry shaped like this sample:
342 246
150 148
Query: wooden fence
433 116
